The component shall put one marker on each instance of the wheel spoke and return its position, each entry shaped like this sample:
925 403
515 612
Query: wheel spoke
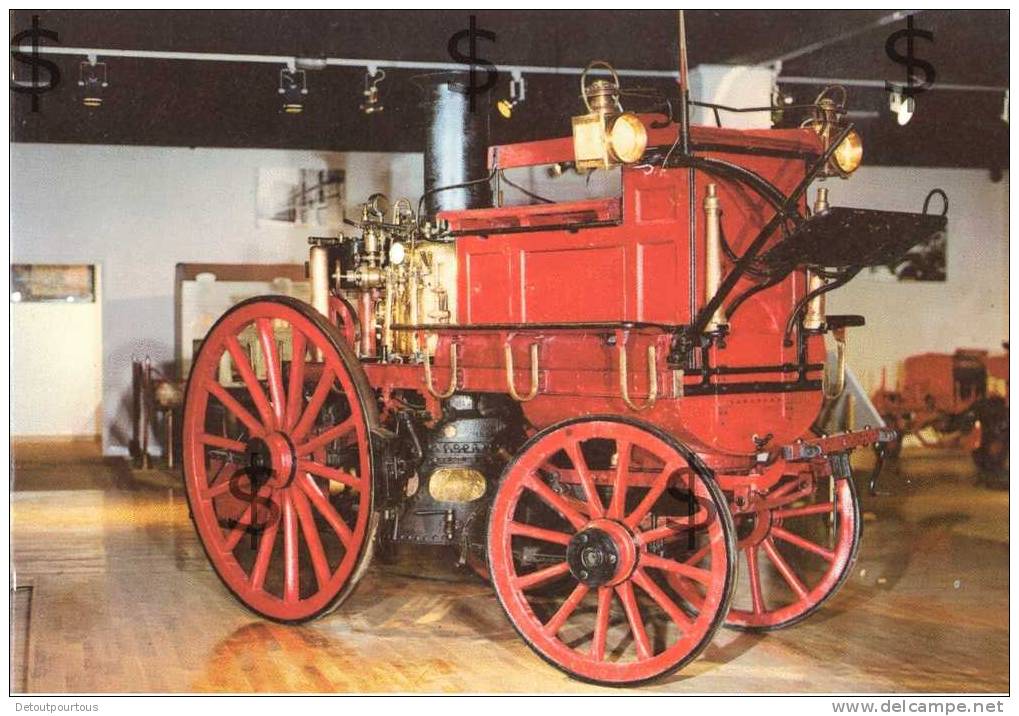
821 508
219 441
703 576
524 530
329 473
677 615
564 612
244 522
218 489
311 410
319 562
804 544
261 567
672 528
617 507
291 567
541 576
754 572
576 456
295 384
698 556
334 433
640 638
230 403
273 367
554 500
653 493
243 365
784 569
325 508
601 623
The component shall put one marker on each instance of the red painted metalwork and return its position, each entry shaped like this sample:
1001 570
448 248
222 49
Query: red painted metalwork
253 529
663 637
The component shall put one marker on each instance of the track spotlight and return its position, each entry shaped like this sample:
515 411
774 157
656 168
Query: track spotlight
902 106
517 93
293 87
372 103
92 80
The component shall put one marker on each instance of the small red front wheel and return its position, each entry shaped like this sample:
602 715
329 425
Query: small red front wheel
278 458
798 546
590 518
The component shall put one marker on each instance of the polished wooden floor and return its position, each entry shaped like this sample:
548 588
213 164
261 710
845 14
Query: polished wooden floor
122 600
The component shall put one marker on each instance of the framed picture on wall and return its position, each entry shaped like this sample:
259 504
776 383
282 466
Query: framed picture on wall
300 198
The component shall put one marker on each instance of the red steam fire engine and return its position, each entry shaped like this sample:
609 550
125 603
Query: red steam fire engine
604 401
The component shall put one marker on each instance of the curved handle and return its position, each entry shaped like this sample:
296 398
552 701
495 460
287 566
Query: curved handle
583 79
452 375
840 369
652 378
511 383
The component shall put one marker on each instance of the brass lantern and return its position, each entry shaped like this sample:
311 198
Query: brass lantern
827 122
606 136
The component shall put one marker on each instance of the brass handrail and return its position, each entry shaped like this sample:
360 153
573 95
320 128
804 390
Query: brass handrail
452 374
652 376
511 383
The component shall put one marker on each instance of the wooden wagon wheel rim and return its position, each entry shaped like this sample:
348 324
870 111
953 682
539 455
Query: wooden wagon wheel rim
288 533
618 526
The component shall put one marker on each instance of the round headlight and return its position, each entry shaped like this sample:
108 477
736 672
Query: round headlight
627 138
397 253
849 153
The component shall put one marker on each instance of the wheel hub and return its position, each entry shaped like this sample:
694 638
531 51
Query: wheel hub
272 460
603 553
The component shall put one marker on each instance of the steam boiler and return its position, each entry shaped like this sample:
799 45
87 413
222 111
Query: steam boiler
604 404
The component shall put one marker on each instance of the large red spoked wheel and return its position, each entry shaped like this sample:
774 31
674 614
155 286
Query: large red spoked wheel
799 542
278 458
589 519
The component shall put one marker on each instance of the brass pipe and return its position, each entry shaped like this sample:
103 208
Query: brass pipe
813 317
318 272
511 382
713 257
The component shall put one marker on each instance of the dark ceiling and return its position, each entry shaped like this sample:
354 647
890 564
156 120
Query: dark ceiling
181 103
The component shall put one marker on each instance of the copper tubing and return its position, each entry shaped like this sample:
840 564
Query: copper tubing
367 323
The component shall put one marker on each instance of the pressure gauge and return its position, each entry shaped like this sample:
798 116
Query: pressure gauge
397 253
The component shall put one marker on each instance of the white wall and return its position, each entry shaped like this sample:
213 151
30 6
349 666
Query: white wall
969 310
56 369
138 211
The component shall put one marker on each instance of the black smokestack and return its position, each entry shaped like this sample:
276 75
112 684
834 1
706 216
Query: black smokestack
456 144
